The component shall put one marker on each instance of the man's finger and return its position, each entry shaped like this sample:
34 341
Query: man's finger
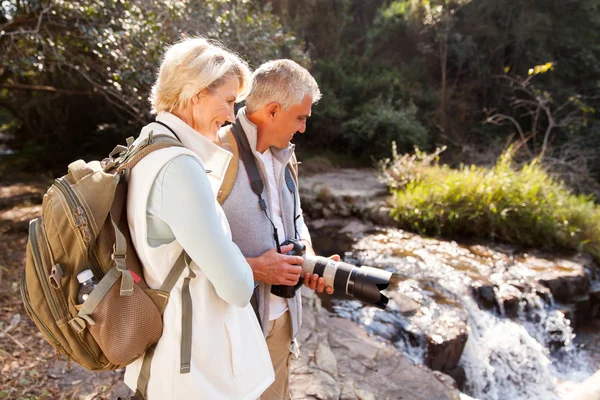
292 269
307 279
329 290
313 281
320 285
296 260
335 257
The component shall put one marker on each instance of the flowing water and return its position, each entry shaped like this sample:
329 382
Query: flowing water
521 348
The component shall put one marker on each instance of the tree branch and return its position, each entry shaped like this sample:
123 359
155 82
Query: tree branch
497 118
3 30
43 88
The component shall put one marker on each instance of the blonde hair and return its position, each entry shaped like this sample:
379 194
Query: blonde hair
191 66
281 81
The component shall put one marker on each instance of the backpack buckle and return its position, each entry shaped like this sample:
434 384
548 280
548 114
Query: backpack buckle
78 324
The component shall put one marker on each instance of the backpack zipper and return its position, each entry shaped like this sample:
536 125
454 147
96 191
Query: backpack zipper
82 219
33 315
57 306
36 238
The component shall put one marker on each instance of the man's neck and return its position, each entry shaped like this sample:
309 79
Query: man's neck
261 145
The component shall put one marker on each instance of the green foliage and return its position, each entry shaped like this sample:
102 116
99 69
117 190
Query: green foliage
378 123
525 206
76 75
365 107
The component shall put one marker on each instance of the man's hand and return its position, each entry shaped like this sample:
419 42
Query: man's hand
277 269
314 282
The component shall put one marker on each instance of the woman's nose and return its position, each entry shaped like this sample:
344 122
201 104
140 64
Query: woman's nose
231 114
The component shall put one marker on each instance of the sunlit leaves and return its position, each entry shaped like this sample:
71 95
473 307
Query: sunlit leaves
541 69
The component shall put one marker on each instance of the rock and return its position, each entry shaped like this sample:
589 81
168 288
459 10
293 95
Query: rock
459 375
595 299
566 279
485 295
345 193
443 354
508 298
589 389
356 227
581 310
339 360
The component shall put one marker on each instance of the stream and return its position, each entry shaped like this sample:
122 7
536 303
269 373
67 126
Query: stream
479 313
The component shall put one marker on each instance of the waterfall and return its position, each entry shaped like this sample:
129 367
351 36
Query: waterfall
530 356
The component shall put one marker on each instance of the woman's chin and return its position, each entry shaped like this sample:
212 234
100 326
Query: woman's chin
212 136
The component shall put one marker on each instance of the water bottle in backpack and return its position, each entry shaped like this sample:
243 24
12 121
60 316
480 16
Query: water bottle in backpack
88 283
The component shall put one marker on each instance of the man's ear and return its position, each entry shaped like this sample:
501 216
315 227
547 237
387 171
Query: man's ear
272 110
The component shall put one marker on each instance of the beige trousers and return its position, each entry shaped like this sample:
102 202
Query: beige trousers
279 341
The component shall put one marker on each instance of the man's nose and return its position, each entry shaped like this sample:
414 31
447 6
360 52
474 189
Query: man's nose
302 127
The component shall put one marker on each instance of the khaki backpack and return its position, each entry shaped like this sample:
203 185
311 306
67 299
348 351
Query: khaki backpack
84 226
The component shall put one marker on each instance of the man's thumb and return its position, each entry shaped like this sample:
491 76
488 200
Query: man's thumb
286 248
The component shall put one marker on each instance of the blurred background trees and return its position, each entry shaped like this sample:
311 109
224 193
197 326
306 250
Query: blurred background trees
474 75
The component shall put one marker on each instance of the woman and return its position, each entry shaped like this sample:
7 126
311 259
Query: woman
172 207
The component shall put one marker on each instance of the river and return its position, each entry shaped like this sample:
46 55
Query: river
518 343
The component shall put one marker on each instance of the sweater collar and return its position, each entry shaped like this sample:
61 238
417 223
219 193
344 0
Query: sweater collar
251 131
214 158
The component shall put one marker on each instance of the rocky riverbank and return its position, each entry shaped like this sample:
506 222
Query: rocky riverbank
339 360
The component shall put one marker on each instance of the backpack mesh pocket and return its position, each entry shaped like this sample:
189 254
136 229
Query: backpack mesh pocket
125 326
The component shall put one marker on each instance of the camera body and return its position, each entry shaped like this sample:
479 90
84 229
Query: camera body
362 283
287 292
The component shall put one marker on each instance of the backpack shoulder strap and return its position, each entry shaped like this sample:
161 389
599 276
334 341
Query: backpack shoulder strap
154 143
293 166
227 141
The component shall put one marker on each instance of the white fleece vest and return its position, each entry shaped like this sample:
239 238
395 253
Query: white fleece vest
229 355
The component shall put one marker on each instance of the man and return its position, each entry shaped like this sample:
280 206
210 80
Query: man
277 108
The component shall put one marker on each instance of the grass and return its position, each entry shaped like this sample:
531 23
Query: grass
525 206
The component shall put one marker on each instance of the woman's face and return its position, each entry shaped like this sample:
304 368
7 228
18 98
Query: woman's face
213 108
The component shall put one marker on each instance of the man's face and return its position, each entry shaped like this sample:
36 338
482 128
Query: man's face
287 122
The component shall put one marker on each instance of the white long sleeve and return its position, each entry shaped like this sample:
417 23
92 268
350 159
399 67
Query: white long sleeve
182 206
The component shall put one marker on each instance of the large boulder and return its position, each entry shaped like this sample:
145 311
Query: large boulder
339 360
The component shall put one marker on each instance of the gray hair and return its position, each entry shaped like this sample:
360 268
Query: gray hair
281 81
191 66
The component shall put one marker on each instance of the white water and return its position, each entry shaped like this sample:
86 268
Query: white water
504 359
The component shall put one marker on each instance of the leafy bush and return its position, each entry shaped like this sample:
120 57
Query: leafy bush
525 206
378 124
365 107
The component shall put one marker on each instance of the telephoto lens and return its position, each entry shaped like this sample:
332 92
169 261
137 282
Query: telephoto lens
362 283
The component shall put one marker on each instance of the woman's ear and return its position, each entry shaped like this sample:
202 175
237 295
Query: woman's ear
198 96
196 99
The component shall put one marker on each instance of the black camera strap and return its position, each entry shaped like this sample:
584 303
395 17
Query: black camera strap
169 128
256 182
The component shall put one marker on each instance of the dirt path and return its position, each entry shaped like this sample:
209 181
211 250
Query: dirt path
29 368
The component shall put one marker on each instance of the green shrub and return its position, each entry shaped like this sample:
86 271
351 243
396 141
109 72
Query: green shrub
525 206
376 125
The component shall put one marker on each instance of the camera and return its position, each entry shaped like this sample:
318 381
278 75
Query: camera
362 283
